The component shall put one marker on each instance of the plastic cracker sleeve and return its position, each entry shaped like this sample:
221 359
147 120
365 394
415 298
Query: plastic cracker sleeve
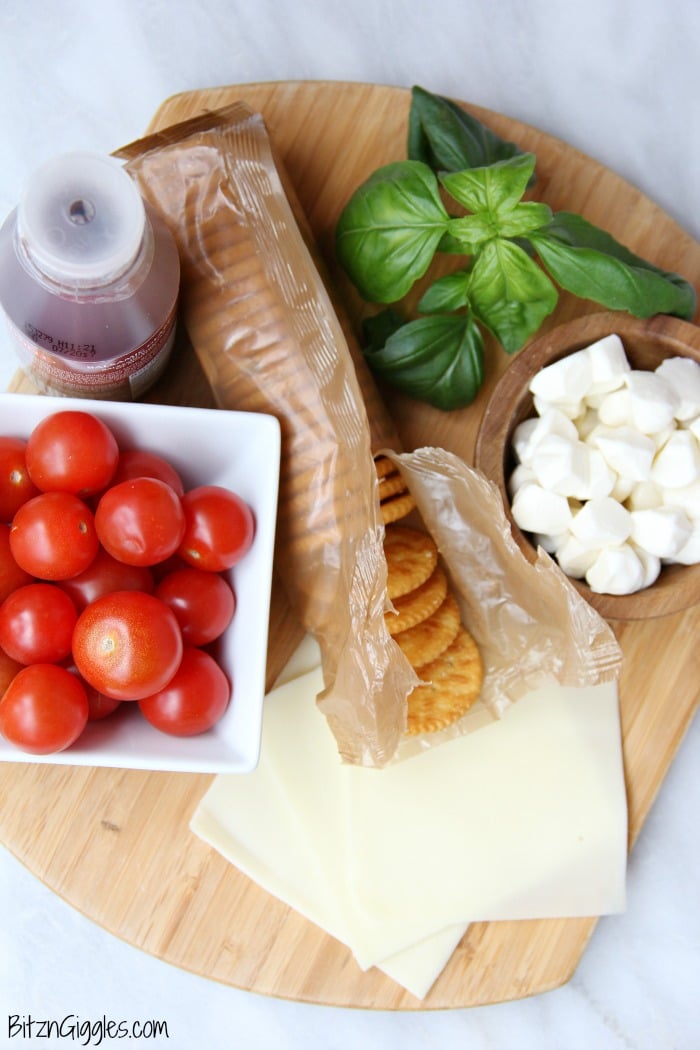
268 338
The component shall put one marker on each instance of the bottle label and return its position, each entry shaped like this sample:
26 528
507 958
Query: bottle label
68 369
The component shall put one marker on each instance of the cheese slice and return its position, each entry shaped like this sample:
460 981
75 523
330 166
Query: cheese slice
251 822
524 819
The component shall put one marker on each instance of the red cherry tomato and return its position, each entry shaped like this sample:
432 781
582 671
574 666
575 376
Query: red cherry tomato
53 536
219 528
11 575
193 701
36 624
105 574
43 710
99 705
140 522
16 487
202 601
139 463
127 644
8 670
72 451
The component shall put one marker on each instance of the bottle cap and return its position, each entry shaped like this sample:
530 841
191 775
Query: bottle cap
81 218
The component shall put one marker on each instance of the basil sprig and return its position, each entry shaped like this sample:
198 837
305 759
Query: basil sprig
516 254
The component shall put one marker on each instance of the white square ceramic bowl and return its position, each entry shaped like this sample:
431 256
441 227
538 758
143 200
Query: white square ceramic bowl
241 451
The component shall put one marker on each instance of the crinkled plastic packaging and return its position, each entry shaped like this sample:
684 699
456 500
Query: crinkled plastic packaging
270 337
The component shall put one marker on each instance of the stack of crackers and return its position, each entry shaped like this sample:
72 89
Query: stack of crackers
425 621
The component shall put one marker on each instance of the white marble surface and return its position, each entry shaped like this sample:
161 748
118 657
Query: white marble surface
620 80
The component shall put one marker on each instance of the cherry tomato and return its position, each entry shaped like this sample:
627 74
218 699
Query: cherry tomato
53 536
193 701
16 487
219 528
105 574
11 575
8 670
36 624
140 463
140 522
72 451
43 710
202 601
164 568
127 644
99 705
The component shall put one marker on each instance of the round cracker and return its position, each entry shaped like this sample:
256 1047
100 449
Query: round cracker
384 466
418 604
391 485
452 683
397 507
424 642
411 557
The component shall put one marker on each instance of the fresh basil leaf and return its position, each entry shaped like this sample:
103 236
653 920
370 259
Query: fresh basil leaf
493 189
510 293
469 232
451 245
447 138
377 328
447 294
389 230
524 219
437 359
591 264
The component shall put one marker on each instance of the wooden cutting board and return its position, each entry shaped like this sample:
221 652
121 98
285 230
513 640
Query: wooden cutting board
116 844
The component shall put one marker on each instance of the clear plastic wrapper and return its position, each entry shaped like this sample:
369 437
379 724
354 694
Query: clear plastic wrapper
532 627
269 337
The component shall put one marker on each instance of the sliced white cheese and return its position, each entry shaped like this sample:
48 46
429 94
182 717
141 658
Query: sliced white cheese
257 823
525 818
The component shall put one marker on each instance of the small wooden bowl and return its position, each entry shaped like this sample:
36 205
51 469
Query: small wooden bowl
647 343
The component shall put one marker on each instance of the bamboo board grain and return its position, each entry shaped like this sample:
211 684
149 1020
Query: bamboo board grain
116 844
